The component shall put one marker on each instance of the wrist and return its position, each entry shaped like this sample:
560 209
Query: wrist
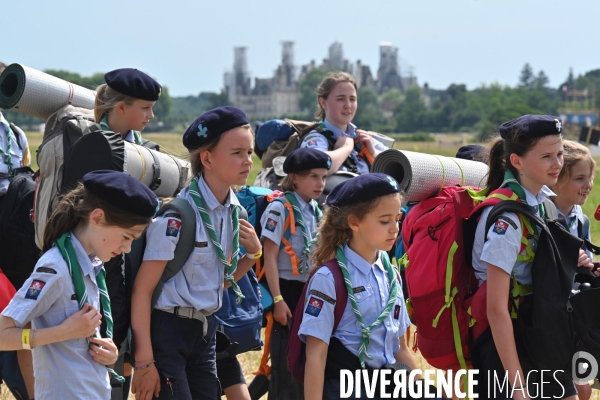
278 299
254 256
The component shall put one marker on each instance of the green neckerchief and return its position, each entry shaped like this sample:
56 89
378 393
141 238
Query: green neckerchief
366 330
230 267
6 156
305 257
67 251
511 182
137 136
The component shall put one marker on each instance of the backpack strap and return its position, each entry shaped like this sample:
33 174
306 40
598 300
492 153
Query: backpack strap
18 136
289 228
341 292
185 245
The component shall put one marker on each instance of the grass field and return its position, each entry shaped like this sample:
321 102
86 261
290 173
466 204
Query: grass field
172 143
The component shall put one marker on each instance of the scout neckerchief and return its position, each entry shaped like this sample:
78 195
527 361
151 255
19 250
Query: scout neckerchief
230 267
67 251
513 184
305 257
6 156
137 136
366 330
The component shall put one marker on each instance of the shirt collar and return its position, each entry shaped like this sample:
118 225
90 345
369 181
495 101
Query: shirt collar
129 137
350 131
209 198
542 195
360 263
87 263
303 204
4 122
575 212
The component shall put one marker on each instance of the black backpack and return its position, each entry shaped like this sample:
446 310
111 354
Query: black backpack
18 251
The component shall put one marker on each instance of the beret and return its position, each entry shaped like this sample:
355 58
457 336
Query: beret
133 83
362 188
212 124
303 159
272 131
469 151
122 191
533 126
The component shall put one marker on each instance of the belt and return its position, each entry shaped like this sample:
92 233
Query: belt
191 313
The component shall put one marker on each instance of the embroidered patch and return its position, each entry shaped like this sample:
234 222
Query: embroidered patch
311 143
35 289
509 220
173 215
314 306
359 289
323 296
275 213
173 227
201 244
397 312
74 297
46 270
500 227
271 225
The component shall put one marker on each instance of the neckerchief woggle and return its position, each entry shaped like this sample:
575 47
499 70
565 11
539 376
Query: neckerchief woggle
305 257
67 251
366 330
231 266
137 136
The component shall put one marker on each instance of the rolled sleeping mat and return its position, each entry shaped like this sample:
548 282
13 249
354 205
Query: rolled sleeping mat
32 92
164 174
422 175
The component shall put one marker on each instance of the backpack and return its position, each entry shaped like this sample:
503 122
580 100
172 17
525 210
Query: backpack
444 300
296 353
18 251
281 137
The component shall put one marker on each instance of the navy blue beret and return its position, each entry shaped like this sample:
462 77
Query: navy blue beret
133 83
469 151
362 188
122 191
533 126
303 159
212 124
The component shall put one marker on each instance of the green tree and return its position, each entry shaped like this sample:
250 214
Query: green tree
308 86
392 96
411 115
162 108
217 100
369 115
527 76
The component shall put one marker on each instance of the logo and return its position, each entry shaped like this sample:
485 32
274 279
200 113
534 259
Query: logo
159 91
584 367
35 289
202 131
328 162
558 125
271 225
173 227
500 227
314 307
393 182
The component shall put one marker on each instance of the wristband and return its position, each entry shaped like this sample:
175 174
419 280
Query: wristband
145 365
25 339
277 299
33 331
254 256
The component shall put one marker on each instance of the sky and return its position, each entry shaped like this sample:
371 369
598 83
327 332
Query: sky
187 45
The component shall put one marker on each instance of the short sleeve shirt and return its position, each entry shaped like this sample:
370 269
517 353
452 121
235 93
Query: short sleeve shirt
273 221
503 244
315 140
574 220
199 284
63 370
371 288
20 155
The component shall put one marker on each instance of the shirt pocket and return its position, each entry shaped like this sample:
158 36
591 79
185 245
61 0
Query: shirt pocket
363 293
80 343
204 264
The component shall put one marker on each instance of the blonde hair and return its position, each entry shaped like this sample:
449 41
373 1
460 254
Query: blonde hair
327 85
194 156
572 154
334 228
287 184
106 99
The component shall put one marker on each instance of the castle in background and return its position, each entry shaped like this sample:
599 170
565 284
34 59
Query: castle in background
278 96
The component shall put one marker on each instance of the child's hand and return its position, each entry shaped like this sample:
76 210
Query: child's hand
83 323
281 312
248 237
105 353
344 141
584 260
145 383
366 140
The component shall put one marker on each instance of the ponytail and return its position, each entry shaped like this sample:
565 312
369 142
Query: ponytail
497 165
106 99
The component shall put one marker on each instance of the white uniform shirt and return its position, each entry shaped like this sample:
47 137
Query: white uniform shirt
18 155
503 243
573 220
315 140
273 221
371 292
63 370
199 284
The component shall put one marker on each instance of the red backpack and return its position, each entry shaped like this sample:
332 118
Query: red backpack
296 352
445 302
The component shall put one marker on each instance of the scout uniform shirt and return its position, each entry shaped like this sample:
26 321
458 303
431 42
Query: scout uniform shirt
574 220
315 140
199 284
63 370
273 221
503 242
371 292
20 158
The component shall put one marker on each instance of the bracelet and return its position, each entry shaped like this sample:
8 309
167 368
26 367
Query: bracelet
25 339
254 256
33 331
277 299
144 365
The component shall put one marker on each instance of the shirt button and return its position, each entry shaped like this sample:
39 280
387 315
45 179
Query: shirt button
358 296
387 323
